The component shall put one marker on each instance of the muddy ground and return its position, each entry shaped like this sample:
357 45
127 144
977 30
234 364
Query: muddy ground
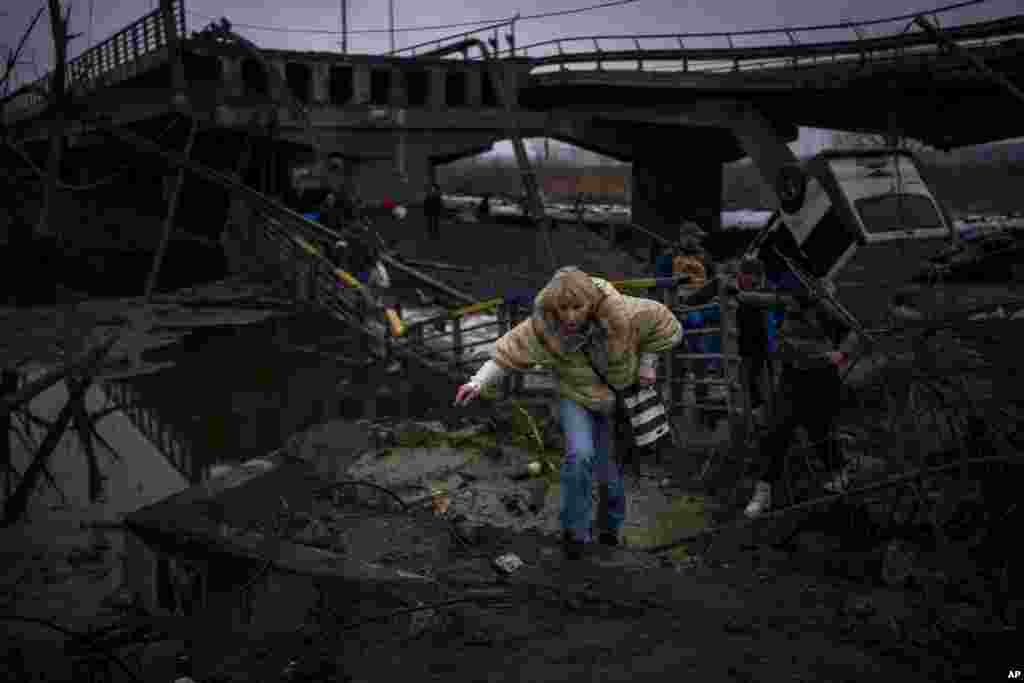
744 609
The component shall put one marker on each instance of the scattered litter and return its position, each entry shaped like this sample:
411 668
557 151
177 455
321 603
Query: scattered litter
508 563
441 501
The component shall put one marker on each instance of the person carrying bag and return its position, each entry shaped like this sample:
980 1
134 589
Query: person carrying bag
598 342
640 416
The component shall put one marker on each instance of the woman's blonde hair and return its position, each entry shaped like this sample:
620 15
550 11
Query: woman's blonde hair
569 285
572 285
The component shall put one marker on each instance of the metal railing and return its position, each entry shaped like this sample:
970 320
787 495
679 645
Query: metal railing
171 443
786 33
441 43
607 51
146 36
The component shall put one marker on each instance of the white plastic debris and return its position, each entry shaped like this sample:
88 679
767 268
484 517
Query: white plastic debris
508 563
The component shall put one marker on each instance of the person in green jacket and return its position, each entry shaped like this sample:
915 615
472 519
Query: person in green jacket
578 320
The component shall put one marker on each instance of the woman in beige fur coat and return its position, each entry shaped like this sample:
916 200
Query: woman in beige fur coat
574 316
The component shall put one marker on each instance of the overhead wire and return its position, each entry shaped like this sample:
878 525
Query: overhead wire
554 13
437 27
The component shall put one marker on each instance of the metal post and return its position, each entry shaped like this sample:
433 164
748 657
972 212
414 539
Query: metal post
172 209
344 27
730 361
391 24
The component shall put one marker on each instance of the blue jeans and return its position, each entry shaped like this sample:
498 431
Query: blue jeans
588 440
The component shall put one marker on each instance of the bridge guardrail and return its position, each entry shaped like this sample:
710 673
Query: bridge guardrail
167 439
145 36
440 43
795 54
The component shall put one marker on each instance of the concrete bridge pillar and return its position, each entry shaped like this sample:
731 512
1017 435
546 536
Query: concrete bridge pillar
398 95
231 74
474 87
435 92
320 86
509 84
764 140
668 191
360 83
276 83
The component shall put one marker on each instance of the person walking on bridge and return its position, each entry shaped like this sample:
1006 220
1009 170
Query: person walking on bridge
816 348
580 326
360 253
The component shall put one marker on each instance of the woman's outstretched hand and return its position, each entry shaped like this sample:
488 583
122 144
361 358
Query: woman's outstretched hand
646 376
466 394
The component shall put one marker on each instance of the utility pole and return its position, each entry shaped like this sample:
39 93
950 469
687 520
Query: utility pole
391 25
344 27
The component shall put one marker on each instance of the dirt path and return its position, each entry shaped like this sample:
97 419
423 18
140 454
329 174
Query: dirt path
614 617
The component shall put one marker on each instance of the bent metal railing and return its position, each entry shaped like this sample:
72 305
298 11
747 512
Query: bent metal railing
439 44
98 66
609 51
175 446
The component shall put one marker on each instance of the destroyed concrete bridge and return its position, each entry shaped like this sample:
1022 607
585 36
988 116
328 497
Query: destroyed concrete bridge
395 117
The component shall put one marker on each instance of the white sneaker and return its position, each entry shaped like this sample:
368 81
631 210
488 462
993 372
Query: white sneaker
761 502
393 367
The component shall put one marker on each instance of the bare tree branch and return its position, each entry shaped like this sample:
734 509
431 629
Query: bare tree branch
14 56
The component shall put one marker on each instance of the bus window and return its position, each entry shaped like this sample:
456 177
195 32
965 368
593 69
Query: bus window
898 212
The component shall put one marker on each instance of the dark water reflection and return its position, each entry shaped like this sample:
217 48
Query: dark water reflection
239 392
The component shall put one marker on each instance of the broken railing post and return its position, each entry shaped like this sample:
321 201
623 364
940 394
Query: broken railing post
172 210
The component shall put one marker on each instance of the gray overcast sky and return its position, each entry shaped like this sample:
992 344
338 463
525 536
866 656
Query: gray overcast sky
642 16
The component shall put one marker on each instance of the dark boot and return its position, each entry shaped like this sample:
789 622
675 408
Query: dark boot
610 539
571 546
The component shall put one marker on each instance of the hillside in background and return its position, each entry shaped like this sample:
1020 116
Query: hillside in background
986 178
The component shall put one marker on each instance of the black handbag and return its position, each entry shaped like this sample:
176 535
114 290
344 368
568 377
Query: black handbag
638 410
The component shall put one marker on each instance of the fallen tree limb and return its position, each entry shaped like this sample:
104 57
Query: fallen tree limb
38 386
15 505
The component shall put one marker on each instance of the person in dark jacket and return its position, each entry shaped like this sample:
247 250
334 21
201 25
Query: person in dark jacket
753 331
363 250
817 349
433 204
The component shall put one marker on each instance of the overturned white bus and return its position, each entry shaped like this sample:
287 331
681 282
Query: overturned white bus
864 219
